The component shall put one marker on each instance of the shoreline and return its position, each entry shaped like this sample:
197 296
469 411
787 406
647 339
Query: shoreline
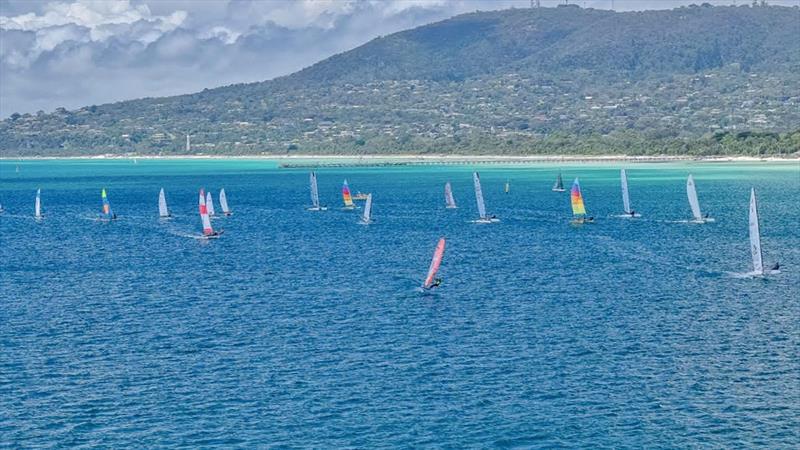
430 159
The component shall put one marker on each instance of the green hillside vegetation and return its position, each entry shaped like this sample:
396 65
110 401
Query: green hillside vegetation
696 80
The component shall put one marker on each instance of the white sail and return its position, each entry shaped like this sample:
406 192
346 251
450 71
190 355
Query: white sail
366 217
626 201
207 230
162 204
755 235
448 196
38 207
223 202
210 204
693 202
314 191
479 195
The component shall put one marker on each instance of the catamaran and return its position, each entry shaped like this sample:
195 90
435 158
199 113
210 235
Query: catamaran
431 281
482 216
223 202
108 214
559 186
210 204
315 206
37 209
348 199
578 209
626 201
755 241
448 196
208 231
691 192
163 212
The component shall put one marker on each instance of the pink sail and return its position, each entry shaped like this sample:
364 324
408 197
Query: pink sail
207 230
435 263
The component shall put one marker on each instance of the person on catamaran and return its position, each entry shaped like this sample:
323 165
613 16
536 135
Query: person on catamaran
706 215
436 283
776 266
632 213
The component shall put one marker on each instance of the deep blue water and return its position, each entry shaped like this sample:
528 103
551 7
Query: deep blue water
305 329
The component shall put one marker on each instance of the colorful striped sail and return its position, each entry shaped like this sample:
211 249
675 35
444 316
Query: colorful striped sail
106 205
348 199
438 254
448 196
207 230
577 199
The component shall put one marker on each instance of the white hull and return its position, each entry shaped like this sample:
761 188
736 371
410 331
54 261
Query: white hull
486 221
317 208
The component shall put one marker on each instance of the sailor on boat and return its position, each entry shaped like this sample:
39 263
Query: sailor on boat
435 284
776 266
632 213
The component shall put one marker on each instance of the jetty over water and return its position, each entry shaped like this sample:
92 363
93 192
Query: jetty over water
456 161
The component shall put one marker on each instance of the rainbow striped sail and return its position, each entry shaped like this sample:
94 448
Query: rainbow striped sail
577 199
348 199
107 213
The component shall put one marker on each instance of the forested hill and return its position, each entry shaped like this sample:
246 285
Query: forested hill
693 80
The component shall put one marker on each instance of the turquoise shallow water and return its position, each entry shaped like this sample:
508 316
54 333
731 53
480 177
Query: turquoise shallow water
305 329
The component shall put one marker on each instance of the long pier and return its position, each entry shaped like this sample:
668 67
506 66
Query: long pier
489 161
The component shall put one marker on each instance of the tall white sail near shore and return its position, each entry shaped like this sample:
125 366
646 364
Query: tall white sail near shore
626 201
162 204
38 205
223 202
476 179
210 204
366 217
691 192
755 235
448 196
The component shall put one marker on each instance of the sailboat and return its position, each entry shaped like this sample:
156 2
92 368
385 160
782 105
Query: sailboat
430 280
626 201
315 206
37 209
691 192
507 187
163 212
366 217
208 231
210 204
223 202
346 197
108 214
755 240
448 196
578 209
482 216
559 186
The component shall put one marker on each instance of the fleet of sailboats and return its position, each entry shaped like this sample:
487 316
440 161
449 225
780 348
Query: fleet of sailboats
223 203
206 210
163 212
694 204
578 208
448 196
482 216
315 206
366 216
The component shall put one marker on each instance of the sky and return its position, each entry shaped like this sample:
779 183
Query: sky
74 53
